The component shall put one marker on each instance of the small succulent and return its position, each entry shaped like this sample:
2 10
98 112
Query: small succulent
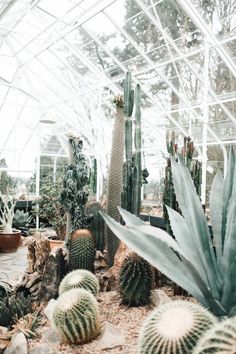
220 339
174 327
135 280
14 307
76 316
80 278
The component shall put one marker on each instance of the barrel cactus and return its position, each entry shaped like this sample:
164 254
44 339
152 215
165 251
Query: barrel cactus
80 278
76 316
174 327
220 339
96 224
135 280
81 250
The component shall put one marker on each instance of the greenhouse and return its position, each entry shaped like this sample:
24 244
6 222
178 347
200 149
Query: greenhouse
117 173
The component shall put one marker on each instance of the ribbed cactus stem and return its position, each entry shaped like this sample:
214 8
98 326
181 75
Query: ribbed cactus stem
115 179
79 278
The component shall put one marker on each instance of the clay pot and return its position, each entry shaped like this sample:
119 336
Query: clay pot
10 242
54 244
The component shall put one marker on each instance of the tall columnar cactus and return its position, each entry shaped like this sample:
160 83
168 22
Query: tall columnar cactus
174 327
79 278
81 250
115 178
74 194
76 316
135 281
93 177
220 339
96 224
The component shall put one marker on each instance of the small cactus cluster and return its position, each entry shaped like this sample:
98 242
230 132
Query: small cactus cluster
82 251
96 224
79 278
174 327
76 315
135 281
220 339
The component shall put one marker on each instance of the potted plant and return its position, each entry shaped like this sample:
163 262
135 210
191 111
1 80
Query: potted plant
10 238
48 208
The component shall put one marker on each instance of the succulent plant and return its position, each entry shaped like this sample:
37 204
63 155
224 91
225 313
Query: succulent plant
76 316
220 339
21 219
96 224
82 251
14 307
79 278
174 327
135 280
208 260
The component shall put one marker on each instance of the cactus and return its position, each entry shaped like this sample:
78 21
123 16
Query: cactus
79 278
174 327
82 251
96 224
93 178
220 339
115 177
135 280
76 316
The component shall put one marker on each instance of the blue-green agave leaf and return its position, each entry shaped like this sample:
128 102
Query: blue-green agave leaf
216 206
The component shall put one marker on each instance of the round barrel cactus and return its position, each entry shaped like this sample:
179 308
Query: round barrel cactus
220 339
76 316
174 327
135 280
80 278
82 250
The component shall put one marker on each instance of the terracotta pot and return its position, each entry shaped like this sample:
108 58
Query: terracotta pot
55 243
10 242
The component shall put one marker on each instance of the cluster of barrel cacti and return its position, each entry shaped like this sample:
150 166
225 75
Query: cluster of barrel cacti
135 280
76 314
194 167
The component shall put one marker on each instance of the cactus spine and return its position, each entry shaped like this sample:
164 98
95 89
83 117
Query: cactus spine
115 178
81 250
220 339
135 280
174 327
79 278
76 316
96 224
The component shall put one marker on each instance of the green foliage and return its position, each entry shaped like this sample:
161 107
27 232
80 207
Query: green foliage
6 181
174 327
21 219
93 178
13 307
74 195
96 224
210 270
82 250
79 278
135 280
48 206
76 316
220 339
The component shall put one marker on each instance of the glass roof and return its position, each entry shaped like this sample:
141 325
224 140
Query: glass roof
62 62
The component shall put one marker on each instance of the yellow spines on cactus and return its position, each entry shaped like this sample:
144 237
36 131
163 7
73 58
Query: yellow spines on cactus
79 278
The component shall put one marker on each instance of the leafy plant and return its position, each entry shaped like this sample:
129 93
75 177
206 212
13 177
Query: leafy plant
48 207
202 264
21 219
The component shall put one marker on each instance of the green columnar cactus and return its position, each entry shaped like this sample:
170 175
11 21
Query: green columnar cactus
81 250
115 178
76 316
79 278
135 281
220 339
96 224
93 177
174 327
74 195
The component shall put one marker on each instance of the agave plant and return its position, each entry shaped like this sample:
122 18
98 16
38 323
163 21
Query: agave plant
202 264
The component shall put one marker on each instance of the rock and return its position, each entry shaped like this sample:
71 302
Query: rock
51 337
18 344
112 337
107 280
159 297
42 349
99 262
3 343
48 311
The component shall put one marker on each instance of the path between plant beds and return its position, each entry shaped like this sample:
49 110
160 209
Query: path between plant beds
13 264
128 321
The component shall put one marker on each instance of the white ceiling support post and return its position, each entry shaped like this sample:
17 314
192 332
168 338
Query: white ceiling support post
204 125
